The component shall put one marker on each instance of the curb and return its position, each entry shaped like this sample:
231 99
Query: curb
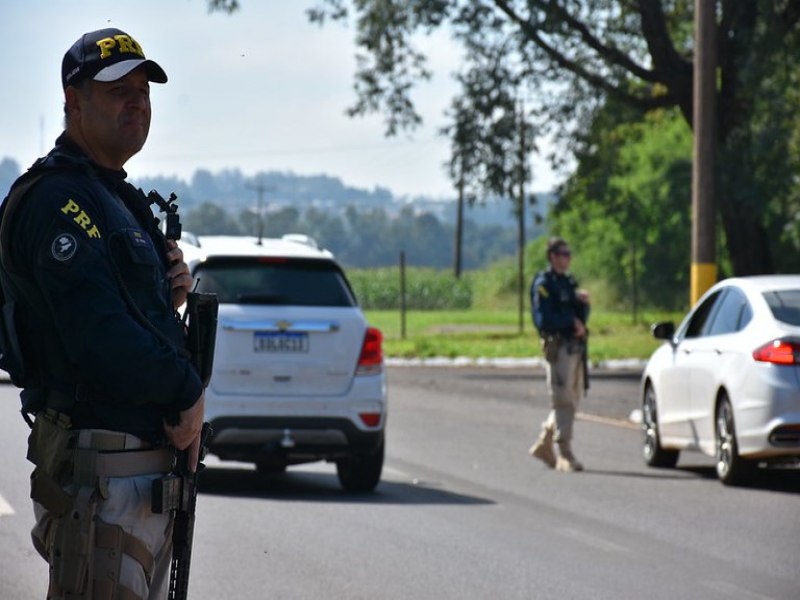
628 365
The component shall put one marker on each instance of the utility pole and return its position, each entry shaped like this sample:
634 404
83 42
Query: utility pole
457 250
704 265
260 188
521 222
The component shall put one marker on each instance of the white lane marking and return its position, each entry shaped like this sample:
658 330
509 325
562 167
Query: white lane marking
5 507
608 421
592 541
734 591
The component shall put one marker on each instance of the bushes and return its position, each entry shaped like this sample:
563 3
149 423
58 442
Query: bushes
426 289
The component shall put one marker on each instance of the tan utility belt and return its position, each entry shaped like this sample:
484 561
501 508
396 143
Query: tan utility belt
91 463
101 453
91 456
104 440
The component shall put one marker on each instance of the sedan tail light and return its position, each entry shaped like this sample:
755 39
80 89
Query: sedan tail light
779 352
370 361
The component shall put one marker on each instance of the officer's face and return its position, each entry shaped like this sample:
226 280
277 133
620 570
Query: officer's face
560 259
112 119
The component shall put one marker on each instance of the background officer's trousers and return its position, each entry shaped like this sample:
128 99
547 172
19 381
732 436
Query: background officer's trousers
565 385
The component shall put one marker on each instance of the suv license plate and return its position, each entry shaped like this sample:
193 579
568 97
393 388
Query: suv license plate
283 341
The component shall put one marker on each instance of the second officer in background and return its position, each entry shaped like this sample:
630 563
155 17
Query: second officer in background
560 312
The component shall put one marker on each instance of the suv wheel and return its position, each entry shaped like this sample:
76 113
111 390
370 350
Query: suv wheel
361 472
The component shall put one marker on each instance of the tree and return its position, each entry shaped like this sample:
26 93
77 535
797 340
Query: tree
273 223
491 141
626 209
574 54
209 218
488 148
326 228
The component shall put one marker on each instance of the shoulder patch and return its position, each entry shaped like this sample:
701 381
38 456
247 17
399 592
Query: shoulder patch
64 247
139 238
543 291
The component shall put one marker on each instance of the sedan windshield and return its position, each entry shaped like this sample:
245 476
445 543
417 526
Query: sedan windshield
785 305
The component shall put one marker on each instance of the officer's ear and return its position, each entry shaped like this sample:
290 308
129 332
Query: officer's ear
71 104
74 97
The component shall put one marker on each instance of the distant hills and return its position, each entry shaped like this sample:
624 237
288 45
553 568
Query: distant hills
274 191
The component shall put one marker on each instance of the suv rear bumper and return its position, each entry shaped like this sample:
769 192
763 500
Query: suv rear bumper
290 440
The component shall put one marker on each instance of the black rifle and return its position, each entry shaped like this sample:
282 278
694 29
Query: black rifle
201 336
178 490
173 224
183 527
585 360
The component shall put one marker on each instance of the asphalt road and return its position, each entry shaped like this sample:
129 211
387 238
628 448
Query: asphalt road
464 512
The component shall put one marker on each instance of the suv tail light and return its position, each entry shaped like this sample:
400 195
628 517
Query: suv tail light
778 352
370 361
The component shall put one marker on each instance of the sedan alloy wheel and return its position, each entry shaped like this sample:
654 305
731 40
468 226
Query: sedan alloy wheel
732 469
654 455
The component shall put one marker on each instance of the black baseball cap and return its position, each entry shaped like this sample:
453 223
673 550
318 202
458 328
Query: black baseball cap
106 55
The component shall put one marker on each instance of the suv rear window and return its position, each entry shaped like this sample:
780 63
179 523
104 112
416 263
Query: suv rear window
275 281
785 305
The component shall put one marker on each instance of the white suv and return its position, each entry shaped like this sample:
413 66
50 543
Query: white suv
298 374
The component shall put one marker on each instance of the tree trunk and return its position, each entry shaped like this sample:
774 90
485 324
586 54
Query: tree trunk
747 240
521 257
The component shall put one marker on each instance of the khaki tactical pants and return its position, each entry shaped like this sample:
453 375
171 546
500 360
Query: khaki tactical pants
94 524
565 386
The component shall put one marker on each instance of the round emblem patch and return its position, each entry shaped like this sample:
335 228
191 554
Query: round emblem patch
64 247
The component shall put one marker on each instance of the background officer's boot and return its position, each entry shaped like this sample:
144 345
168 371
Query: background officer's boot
543 447
566 461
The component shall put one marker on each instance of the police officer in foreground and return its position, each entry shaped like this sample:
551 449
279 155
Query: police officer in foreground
94 286
560 312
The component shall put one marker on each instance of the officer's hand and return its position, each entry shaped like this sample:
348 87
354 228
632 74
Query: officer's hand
583 296
186 434
580 329
178 274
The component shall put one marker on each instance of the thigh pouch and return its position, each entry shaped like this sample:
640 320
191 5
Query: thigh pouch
85 553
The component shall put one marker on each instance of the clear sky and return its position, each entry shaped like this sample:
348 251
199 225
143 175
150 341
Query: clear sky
260 90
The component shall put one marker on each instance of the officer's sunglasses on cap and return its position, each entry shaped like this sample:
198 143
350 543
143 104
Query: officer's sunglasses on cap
563 253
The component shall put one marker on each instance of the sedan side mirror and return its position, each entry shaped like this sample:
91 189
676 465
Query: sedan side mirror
663 331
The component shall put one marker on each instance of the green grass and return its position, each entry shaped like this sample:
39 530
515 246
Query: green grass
495 333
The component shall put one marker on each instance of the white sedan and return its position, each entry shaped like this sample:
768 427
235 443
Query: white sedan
727 381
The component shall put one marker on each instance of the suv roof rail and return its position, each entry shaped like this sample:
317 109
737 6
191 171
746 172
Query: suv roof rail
189 238
301 238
